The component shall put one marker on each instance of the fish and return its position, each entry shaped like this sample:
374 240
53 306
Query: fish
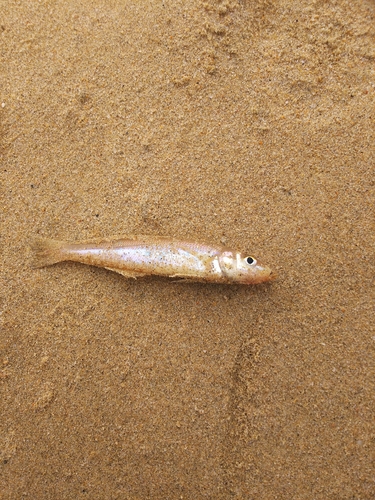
137 256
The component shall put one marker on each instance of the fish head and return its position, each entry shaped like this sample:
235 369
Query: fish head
238 268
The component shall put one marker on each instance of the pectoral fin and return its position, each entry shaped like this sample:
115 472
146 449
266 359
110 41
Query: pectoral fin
127 274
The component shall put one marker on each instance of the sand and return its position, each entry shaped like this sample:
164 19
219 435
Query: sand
244 122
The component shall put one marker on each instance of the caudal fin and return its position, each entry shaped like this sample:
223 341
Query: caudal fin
47 252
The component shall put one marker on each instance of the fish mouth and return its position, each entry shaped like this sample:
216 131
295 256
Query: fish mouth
272 276
265 274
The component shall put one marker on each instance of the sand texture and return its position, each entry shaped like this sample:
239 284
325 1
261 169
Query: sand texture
249 123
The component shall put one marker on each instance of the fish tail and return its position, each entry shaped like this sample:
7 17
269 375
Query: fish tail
47 252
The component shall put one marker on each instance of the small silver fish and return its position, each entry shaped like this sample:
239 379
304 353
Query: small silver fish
137 256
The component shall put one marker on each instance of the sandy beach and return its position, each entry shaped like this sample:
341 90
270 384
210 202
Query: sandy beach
246 123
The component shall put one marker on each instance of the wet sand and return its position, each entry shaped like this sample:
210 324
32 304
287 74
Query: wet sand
248 123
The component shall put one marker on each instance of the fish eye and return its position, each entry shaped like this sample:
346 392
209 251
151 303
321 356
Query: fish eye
250 260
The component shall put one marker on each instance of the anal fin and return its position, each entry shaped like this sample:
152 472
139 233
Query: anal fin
127 274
